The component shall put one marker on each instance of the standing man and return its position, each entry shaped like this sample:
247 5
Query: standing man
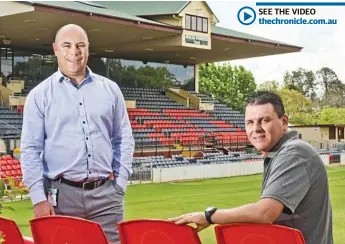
295 185
76 133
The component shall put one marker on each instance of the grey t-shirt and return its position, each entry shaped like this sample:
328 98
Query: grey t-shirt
295 175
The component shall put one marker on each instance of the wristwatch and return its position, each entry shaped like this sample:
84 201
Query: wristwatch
208 214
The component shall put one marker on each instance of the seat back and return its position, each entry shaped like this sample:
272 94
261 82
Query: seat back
64 229
10 230
145 231
257 234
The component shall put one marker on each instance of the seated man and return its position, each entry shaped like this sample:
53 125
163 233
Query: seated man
295 185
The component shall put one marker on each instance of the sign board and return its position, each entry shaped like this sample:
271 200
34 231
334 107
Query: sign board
196 40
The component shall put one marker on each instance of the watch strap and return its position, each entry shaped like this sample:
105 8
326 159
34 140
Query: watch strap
208 215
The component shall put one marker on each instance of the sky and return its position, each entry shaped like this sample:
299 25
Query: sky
323 45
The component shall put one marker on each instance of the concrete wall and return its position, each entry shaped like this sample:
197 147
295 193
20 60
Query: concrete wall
194 101
206 106
131 103
17 100
342 159
325 159
174 95
16 86
206 171
5 94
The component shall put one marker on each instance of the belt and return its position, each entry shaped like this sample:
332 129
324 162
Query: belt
84 185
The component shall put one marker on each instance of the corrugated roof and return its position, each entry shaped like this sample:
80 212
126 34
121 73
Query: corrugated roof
145 8
237 34
91 7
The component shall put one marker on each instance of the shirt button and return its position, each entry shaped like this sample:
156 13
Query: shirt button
87 138
89 155
83 122
90 172
80 104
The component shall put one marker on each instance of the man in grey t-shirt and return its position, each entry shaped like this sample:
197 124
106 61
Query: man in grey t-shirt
295 185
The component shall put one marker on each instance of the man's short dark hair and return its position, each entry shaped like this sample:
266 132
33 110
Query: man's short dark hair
265 97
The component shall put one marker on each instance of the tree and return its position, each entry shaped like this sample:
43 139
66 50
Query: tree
333 89
335 97
144 76
327 78
301 80
229 85
332 116
294 101
270 86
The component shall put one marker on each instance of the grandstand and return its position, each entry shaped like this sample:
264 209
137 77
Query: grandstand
153 51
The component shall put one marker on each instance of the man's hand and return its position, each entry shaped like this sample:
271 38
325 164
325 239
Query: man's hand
42 209
192 218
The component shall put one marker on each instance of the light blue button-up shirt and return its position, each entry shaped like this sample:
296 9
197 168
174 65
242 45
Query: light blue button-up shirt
77 132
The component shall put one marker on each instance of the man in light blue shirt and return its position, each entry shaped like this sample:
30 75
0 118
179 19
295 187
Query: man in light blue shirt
76 134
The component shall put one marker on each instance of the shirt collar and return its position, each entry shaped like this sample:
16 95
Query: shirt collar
89 74
287 137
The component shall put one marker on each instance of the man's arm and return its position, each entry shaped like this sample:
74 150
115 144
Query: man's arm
287 185
122 142
265 211
31 147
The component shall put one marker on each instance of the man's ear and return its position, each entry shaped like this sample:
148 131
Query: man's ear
285 120
55 49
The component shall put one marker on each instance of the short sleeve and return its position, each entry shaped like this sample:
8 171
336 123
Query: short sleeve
287 181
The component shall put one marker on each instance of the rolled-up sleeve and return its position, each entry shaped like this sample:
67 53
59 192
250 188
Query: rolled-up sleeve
122 142
288 181
32 145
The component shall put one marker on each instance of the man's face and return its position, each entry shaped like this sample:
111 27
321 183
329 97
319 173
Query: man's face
72 50
263 126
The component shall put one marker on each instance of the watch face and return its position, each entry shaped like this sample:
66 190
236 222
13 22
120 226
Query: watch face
209 209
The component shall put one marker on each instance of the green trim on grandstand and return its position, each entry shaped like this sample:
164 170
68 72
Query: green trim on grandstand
241 35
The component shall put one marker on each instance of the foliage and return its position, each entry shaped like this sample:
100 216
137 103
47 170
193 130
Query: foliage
295 102
143 77
2 237
301 80
332 116
229 85
327 79
269 86
10 194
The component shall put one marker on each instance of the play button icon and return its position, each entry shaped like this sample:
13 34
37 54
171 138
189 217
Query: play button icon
246 15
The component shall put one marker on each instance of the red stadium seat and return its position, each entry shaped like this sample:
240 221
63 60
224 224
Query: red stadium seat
257 234
6 157
156 232
64 229
10 230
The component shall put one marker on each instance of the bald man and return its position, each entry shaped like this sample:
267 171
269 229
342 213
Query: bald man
76 134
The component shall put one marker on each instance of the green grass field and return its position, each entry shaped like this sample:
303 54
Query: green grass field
167 200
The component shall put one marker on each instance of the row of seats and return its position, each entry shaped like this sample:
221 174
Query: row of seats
9 167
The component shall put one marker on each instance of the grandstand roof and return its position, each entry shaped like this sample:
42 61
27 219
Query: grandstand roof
148 8
114 33
92 7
